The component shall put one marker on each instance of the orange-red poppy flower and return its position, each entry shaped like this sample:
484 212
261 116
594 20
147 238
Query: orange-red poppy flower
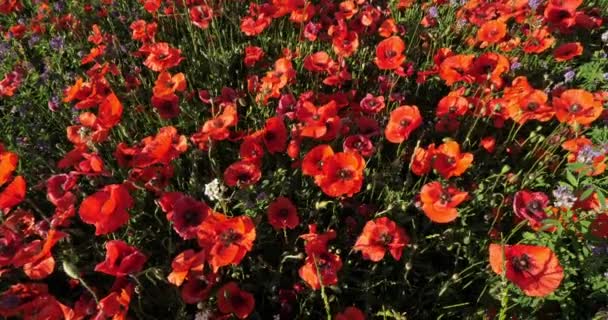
534 269
318 62
452 105
162 148
167 84
184 263
455 68
107 208
12 194
121 259
143 31
448 161
381 235
321 268
388 28
342 174
231 299
403 120
421 161
242 173
282 214
115 304
350 313
568 51
577 106
530 106
8 164
315 159
227 240
389 53
538 41
161 56
318 121
491 32
489 67
439 203
217 128
345 43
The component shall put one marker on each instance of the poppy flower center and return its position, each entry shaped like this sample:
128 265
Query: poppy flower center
534 206
237 300
192 217
316 117
320 164
283 213
243 177
404 122
521 263
450 160
229 236
344 174
218 123
574 108
269 135
162 56
445 197
385 239
390 54
532 106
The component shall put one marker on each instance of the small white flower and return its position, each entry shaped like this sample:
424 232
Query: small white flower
214 190
203 315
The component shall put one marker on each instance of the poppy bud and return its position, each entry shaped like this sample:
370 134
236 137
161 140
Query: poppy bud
70 270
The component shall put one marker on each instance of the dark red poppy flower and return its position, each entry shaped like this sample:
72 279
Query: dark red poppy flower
185 213
201 16
253 54
315 159
360 144
568 51
282 214
531 206
371 104
107 208
198 287
381 235
58 190
275 135
350 313
231 299
121 259
534 269
166 106
242 174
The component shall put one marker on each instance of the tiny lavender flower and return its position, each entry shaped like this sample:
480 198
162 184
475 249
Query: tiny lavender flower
534 4
587 154
433 12
515 65
214 190
568 76
56 43
564 197
605 37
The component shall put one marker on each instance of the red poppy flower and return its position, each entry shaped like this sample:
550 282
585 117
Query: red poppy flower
166 106
530 106
185 213
257 21
231 299
115 304
360 144
388 28
567 51
317 243
12 194
318 122
599 226
455 68
184 263
201 16
253 54
538 41
491 32
198 287
227 239
161 57
326 265
282 213
242 174
275 135
439 203
8 164
58 190
421 161
371 104
217 128
577 106
449 162
531 206
143 31
162 148
489 67
121 259
534 269
389 53
36 258
107 208
318 62
342 174
380 235
350 313
403 120
345 43
315 159
21 297
110 111
452 105
167 84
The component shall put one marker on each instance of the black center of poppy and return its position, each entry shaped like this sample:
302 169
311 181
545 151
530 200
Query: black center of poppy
229 236
532 106
521 263
345 174
574 108
243 177
192 217
445 197
385 239
404 122
283 213
390 54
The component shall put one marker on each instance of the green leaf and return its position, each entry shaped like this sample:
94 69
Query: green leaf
571 179
587 193
602 198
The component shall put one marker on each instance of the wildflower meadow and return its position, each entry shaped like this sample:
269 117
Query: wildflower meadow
303 159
